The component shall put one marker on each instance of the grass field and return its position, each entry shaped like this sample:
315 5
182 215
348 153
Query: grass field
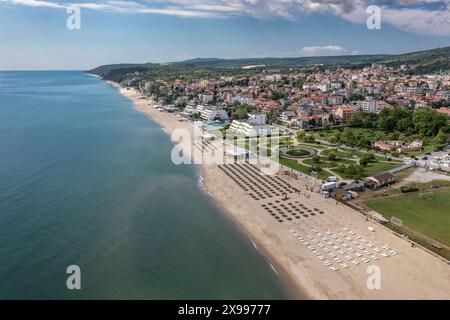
324 163
377 167
429 215
293 164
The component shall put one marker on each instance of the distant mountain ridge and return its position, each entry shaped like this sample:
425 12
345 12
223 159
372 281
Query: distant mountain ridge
420 62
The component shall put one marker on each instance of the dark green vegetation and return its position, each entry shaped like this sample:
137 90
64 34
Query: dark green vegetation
297 152
426 125
429 61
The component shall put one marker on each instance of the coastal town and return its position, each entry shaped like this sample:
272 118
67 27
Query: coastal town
380 110
362 152
217 158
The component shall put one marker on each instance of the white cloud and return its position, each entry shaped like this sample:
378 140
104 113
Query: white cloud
415 16
34 3
323 50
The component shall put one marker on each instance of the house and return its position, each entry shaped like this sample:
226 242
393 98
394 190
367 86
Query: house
335 100
247 99
416 145
384 145
444 111
206 97
343 113
382 179
441 163
400 146
287 116
369 184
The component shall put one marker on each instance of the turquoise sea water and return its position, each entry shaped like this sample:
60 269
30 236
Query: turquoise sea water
87 180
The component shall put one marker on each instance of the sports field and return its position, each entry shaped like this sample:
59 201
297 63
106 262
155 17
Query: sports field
429 214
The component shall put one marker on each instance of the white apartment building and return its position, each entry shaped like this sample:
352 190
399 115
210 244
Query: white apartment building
250 130
210 113
206 98
190 110
247 99
257 119
367 105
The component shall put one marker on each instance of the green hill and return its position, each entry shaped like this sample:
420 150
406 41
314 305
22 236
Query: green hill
421 62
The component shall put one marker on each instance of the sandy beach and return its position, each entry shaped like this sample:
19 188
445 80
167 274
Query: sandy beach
301 247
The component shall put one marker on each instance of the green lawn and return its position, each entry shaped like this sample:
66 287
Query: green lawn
325 163
312 145
338 152
374 168
293 164
429 215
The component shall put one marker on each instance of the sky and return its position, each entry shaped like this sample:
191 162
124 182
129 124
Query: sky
39 35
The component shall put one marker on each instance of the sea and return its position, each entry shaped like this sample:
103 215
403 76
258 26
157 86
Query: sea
87 182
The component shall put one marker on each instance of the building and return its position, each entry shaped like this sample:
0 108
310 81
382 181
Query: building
206 98
257 119
440 163
211 113
247 99
335 100
344 113
190 110
444 111
400 146
367 105
254 126
382 179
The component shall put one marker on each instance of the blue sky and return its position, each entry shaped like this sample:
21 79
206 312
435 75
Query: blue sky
33 33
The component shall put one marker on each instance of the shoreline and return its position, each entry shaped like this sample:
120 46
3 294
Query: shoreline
297 292
405 275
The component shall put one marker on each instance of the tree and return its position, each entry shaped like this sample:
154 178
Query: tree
348 137
366 158
440 140
271 117
309 139
332 139
405 125
332 156
300 135
316 159
368 121
428 122
357 120
240 113
385 120
277 95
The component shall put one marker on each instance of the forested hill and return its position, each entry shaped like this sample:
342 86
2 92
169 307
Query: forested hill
421 62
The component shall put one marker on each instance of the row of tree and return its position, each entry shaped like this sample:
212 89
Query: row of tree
426 122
